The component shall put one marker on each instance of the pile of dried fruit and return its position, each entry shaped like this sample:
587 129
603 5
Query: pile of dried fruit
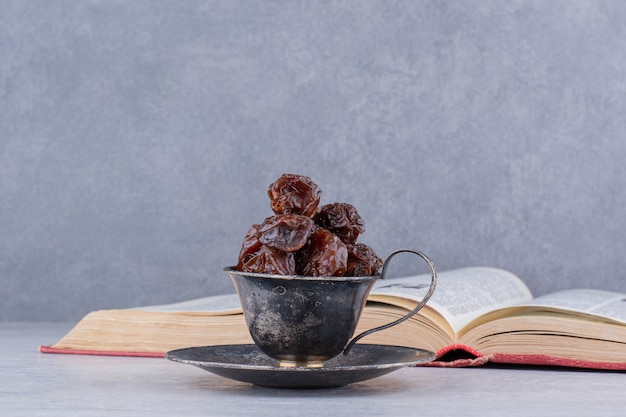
302 239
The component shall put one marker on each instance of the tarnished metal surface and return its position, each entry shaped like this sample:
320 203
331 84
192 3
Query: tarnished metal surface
301 319
310 319
247 363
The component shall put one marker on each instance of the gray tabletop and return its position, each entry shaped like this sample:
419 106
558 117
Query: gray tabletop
37 384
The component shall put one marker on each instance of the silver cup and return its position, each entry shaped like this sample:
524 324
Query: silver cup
307 320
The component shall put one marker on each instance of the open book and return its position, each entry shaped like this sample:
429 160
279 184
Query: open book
476 315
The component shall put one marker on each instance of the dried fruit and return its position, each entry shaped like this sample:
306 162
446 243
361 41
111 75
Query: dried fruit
324 255
301 240
294 194
286 232
362 261
342 219
270 261
251 245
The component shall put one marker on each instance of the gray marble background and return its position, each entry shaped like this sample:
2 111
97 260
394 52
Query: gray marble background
138 139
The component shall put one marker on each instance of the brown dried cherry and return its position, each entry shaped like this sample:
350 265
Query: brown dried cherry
342 219
362 261
294 194
324 255
286 232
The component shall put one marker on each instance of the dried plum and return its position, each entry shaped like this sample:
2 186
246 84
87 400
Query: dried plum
323 255
286 232
305 239
294 194
362 261
251 245
342 219
268 260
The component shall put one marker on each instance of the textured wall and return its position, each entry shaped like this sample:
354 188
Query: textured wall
137 139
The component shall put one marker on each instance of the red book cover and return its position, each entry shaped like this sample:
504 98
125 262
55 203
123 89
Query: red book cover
465 356
453 356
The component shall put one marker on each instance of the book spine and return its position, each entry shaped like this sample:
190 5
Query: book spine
458 347
458 356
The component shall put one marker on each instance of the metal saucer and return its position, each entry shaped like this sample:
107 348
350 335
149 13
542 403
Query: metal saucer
246 363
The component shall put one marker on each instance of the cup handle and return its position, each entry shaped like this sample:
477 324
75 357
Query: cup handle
433 284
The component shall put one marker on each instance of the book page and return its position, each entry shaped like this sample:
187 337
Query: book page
462 294
215 305
606 304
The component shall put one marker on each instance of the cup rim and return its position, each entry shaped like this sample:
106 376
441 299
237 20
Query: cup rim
233 270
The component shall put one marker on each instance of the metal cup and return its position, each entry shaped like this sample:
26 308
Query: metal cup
307 320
